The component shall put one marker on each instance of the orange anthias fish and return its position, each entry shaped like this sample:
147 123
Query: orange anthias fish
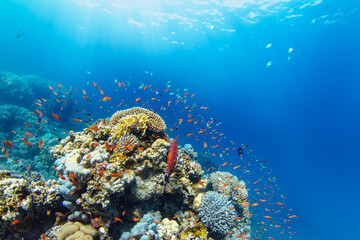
55 116
106 99
171 161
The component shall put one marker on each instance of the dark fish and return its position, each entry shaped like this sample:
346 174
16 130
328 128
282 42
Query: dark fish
20 33
39 115
77 111
240 152
89 115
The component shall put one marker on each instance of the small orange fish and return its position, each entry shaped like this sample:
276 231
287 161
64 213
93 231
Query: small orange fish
189 134
29 134
48 212
96 144
205 145
88 156
40 143
28 168
27 125
76 120
156 222
127 171
101 171
105 99
55 116
136 219
93 127
54 168
268 217
224 164
166 90
137 99
62 177
6 154
16 161
84 92
116 174
15 222
117 220
51 88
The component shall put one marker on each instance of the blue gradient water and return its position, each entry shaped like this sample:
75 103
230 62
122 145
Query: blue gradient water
301 113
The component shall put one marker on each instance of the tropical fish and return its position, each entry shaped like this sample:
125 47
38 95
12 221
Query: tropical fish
39 115
240 152
171 161
106 99
40 143
8 143
55 116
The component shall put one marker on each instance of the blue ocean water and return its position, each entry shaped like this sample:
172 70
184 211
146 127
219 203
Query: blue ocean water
278 76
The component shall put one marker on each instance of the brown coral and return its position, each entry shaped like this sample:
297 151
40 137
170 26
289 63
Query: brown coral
157 124
76 230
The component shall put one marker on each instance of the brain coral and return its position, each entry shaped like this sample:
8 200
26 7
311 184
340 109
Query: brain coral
157 124
217 212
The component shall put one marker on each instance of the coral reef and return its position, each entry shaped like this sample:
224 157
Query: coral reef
111 178
217 212
146 228
25 203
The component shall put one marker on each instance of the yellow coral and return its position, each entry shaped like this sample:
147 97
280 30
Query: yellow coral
130 123
157 124
199 231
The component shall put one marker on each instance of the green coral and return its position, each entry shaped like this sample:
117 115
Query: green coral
133 123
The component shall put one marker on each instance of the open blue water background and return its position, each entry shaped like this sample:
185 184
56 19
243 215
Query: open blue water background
302 113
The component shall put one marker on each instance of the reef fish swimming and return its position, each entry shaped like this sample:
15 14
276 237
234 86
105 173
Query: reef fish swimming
171 161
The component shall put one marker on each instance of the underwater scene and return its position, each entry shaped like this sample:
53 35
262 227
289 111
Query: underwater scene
179 120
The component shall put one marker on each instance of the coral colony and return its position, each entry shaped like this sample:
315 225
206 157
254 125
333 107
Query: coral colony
114 183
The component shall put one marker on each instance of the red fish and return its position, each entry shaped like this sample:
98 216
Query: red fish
40 143
171 161
8 143
59 86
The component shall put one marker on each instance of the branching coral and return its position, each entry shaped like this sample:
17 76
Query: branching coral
217 212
